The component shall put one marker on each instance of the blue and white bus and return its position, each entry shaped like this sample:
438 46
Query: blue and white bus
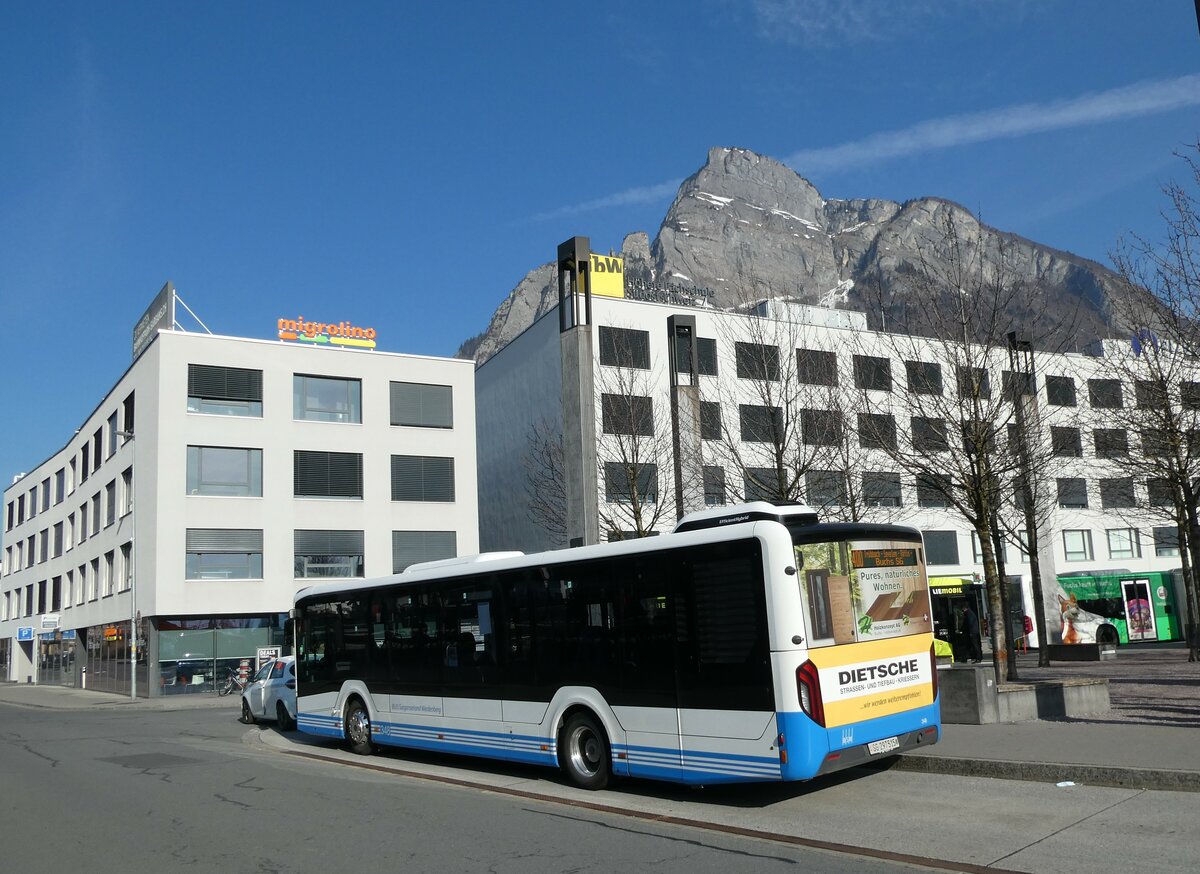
754 643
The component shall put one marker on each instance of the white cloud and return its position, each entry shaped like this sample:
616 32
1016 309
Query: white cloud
1130 101
828 23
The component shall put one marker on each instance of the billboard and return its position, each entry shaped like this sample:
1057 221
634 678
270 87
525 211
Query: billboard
326 333
159 316
608 275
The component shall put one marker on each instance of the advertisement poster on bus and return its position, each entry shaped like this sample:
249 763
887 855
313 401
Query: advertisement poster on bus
889 593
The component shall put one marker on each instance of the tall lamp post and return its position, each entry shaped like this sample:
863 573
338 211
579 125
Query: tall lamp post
133 612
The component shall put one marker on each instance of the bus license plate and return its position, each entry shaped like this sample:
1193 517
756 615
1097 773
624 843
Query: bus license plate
879 747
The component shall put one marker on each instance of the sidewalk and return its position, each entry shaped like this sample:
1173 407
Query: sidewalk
1149 739
67 698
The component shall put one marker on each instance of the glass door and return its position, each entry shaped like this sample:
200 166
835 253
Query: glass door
1139 610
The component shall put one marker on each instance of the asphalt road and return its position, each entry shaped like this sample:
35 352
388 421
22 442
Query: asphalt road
194 790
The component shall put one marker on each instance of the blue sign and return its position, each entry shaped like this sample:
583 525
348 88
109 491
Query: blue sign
25 632
69 634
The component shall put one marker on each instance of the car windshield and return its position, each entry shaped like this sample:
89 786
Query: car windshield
264 671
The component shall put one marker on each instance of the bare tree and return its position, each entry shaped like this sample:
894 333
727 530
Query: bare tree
635 455
1161 302
775 427
949 320
545 480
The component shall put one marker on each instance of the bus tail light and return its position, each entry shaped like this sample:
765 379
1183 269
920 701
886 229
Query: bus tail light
808 684
933 666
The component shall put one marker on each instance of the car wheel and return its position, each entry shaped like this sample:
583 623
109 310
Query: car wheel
584 754
283 717
358 728
1107 634
247 716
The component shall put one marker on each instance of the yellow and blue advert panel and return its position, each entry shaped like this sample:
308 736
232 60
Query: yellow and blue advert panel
875 678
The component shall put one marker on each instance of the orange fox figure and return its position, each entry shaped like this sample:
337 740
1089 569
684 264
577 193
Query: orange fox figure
1069 608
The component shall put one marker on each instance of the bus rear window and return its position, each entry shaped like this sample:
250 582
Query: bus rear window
863 590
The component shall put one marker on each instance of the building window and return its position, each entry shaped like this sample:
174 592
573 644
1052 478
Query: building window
620 481
71 480
1124 543
1105 394
224 554
97 445
1016 384
110 503
706 357
94 586
70 532
1117 493
109 580
1072 493
1149 394
224 391
421 405
624 347
1060 391
112 435
876 431
941 547
126 567
1160 493
45 494
929 435
757 361
759 424
326 399
1155 443
127 417
1189 395
632 415
83 522
976 548
422 478
710 420
221 470
327 474
58 540
714 485
1166 541
872 373
33 505
761 484
44 540
933 490
85 463
973 382
814 367
60 485
881 489
825 488
1111 442
127 491
328 554
1077 545
924 378
413 547
821 427
1066 442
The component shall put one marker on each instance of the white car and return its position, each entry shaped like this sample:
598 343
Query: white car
272 694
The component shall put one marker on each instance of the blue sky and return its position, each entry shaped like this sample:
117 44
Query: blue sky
403 165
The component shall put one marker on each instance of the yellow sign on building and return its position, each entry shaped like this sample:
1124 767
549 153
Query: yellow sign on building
608 275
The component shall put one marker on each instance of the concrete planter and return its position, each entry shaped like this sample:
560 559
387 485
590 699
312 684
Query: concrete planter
970 696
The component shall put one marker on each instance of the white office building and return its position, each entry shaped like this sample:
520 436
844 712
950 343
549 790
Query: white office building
606 372
216 478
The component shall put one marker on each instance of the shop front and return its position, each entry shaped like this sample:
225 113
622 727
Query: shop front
193 656
947 595
56 657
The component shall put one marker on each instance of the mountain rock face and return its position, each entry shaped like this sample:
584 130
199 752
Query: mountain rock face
746 227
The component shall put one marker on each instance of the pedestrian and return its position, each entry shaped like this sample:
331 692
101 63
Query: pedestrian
969 624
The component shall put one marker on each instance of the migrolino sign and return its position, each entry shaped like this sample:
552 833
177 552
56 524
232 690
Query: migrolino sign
331 333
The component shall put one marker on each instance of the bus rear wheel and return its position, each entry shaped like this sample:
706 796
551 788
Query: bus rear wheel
584 754
358 728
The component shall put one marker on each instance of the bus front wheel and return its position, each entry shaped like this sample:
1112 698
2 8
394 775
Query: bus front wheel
358 728
584 753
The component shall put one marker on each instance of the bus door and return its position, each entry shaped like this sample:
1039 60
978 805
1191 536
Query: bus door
1139 610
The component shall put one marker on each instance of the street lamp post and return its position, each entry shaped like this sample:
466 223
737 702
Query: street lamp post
133 611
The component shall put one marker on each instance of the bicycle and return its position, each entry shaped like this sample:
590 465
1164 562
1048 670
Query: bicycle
235 681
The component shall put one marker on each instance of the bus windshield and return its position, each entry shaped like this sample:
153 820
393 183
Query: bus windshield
859 590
